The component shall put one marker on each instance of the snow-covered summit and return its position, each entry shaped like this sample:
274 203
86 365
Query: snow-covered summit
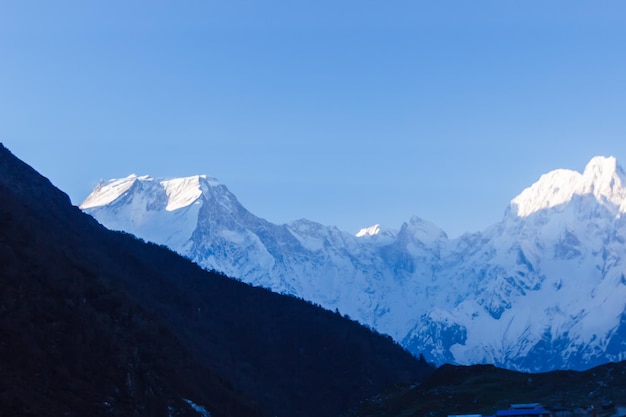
163 210
369 231
180 192
603 178
377 234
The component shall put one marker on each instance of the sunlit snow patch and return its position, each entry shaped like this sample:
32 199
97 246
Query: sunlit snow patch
182 192
108 191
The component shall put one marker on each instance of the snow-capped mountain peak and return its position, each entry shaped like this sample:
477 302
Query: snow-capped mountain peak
180 192
377 234
603 178
156 209
369 231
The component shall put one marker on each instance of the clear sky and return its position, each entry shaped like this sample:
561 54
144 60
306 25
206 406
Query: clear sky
348 113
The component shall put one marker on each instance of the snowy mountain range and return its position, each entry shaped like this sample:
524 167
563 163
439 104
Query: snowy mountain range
543 289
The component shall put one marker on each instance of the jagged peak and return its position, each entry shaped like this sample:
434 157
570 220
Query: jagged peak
602 177
377 234
369 231
606 164
423 230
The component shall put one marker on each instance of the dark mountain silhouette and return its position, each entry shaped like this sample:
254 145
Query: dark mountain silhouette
72 342
95 322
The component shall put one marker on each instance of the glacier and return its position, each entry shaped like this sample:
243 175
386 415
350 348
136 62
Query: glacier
542 289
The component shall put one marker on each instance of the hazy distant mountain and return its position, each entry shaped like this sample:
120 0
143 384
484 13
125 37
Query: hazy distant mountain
96 323
544 288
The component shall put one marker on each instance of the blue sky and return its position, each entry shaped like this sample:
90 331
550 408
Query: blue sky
348 113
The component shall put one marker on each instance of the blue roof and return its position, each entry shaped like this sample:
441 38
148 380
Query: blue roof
522 412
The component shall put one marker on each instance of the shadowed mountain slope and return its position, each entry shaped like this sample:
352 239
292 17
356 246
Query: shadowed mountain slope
100 322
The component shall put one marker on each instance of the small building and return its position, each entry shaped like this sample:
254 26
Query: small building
524 410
